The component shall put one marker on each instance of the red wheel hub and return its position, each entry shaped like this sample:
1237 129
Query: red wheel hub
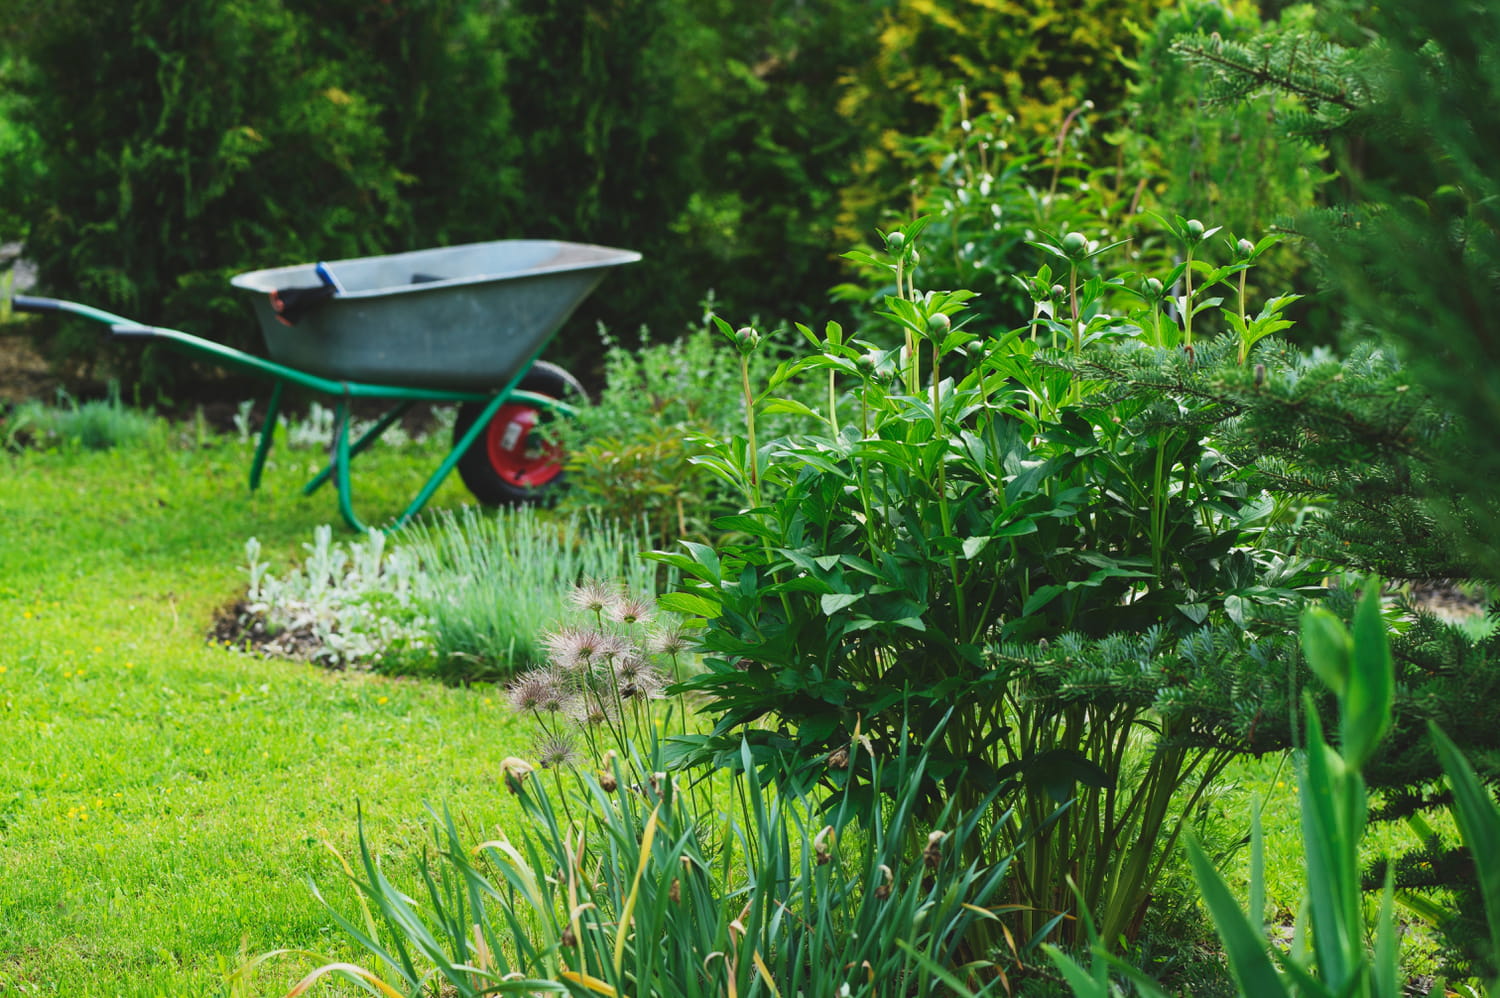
518 456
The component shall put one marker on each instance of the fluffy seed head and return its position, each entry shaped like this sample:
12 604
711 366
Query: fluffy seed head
594 595
632 610
556 751
572 648
530 691
670 641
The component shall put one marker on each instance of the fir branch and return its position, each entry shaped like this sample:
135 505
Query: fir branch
1243 72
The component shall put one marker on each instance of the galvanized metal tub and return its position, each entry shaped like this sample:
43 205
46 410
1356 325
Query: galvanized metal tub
457 318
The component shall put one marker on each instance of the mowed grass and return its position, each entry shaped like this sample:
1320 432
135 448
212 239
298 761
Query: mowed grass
164 802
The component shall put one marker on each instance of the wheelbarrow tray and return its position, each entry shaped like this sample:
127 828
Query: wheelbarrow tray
457 318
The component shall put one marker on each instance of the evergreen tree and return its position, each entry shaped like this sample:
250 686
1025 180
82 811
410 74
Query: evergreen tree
1404 95
1411 242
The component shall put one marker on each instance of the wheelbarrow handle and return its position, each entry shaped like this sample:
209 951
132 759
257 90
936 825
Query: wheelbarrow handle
29 303
133 331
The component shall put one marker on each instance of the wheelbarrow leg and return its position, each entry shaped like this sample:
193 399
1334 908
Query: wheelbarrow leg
369 437
267 433
340 468
451 461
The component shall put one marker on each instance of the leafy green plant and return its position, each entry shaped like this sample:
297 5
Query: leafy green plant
495 581
631 454
1081 571
996 193
631 888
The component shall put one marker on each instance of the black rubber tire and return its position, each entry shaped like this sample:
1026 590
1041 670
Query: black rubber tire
497 464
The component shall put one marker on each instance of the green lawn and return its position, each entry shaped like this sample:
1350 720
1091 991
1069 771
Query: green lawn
163 802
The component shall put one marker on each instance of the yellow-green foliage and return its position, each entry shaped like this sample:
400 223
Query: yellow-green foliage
1036 62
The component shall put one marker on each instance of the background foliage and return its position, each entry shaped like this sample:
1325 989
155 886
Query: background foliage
740 146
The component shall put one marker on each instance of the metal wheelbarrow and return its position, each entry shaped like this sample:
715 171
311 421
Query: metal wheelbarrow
459 324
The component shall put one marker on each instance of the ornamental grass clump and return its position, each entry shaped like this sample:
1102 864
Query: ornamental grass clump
497 581
624 883
70 425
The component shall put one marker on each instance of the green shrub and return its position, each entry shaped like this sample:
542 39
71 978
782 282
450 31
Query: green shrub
195 140
631 453
1334 950
1241 170
1402 98
1080 570
775 148
994 191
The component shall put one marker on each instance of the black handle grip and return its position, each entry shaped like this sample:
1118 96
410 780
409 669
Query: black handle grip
132 331
27 303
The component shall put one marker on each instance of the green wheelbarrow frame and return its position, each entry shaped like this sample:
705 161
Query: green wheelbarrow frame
343 450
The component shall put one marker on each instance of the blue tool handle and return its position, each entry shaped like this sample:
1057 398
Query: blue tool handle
326 276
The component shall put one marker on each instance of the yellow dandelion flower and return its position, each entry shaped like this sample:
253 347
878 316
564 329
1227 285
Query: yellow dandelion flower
382 700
